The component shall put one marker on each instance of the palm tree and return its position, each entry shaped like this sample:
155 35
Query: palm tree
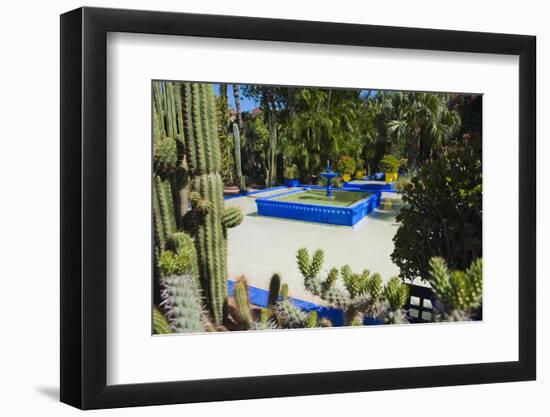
238 105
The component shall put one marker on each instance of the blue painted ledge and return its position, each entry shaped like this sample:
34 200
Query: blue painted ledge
343 216
259 297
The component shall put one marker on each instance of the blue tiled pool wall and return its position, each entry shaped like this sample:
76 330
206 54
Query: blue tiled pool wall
343 216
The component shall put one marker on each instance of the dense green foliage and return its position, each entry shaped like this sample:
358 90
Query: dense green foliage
443 214
346 165
308 126
389 164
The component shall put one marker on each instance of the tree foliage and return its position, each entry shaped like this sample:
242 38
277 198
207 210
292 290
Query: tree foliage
443 213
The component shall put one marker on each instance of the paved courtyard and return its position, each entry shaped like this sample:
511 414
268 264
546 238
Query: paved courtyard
262 246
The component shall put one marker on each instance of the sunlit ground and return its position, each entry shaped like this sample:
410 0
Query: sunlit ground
261 245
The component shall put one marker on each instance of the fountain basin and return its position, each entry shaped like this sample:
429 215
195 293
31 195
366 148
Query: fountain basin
345 208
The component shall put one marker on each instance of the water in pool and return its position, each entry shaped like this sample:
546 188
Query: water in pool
340 198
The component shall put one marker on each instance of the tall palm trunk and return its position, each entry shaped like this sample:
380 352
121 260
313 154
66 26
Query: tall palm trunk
272 150
238 105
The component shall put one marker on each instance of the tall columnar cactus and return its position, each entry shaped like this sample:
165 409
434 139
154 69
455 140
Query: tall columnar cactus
274 290
170 177
207 213
182 303
238 166
459 292
242 305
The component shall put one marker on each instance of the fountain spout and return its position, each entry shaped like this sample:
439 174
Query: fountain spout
329 175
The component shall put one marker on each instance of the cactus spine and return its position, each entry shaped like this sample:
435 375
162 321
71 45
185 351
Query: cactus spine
204 163
238 166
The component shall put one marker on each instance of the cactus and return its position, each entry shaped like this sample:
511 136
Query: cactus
356 284
363 294
207 212
274 289
160 323
311 320
165 156
265 322
284 291
396 294
182 303
232 216
310 268
459 292
242 306
184 248
288 315
237 148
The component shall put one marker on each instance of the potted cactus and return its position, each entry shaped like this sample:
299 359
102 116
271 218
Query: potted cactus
291 175
390 165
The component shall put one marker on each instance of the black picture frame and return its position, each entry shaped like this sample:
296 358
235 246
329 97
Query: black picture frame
84 207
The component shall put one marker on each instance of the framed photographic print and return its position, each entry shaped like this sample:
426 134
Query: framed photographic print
257 208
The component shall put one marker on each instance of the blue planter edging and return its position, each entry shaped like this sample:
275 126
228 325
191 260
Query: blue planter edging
370 187
259 297
291 183
343 216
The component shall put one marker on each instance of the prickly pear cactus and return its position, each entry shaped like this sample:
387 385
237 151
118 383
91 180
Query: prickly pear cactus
209 218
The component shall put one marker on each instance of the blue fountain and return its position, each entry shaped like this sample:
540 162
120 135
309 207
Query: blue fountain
329 175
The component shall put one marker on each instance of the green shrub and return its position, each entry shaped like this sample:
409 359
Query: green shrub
291 172
389 164
442 215
346 165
